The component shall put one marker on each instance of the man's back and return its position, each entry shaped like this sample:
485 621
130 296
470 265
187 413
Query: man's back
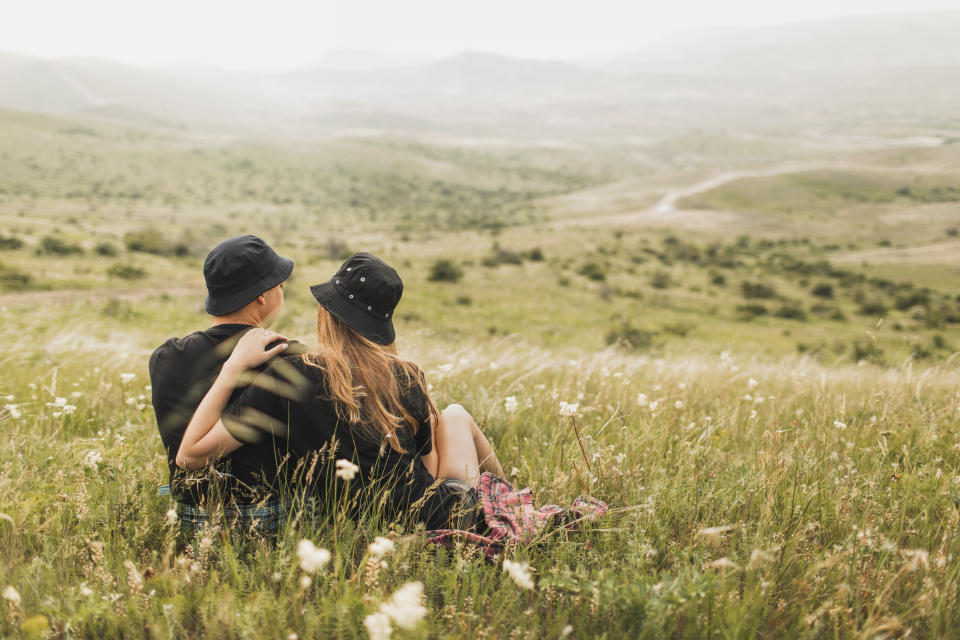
181 372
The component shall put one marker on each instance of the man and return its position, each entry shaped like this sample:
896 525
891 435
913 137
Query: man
245 279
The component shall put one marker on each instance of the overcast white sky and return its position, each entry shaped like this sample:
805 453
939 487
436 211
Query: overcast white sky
274 34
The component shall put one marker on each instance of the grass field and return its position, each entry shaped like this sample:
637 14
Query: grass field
766 377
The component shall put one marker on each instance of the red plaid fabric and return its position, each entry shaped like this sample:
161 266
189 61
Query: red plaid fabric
512 519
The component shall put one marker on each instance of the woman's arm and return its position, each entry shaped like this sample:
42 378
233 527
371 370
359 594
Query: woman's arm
205 436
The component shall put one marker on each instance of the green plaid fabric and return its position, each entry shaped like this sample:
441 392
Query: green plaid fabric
262 517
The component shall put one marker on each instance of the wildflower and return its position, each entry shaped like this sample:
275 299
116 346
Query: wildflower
520 573
92 459
312 558
58 402
85 591
678 404
567 409
11 595
14 411
753 414
759 557
406 608
346 470
839 425
305 582
446 367
68 409
567 630
919 559
378 626
642 399
724 564
127 377
653 405
714 534
10 398
172 517
510 404
380 546
752 384
76 394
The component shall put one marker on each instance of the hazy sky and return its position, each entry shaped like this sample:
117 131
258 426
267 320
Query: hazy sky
289 33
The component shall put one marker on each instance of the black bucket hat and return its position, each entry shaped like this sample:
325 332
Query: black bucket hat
363 294
240 269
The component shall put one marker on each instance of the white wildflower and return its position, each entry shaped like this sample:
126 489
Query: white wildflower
127 377
172 517
59 402
510 404
446 367
752 384
724 564
653 405
85 591
378 626
520 573
678 404
305 581
68 409
405 608
753 414
10 398
14 411
312 558
380 547
346 470
839 425
567 630
642 399
714 534
92 459
76 394
11 595
919 559
567 409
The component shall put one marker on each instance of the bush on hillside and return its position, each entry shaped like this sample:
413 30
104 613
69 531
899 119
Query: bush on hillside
444 270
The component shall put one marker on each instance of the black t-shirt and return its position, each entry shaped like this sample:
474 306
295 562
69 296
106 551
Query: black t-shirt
290 401
182 370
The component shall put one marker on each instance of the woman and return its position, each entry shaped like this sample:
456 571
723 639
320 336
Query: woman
351 397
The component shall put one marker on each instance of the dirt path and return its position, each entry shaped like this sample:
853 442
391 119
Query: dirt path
70 296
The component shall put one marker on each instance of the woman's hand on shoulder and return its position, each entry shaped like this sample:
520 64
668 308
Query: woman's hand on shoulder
251 350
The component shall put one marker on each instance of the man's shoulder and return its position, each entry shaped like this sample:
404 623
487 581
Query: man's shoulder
176 346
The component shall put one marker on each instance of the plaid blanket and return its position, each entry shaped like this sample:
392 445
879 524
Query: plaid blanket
265 517
512 519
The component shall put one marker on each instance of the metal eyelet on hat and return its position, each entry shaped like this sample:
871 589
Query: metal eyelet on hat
349 268
362 279
369 308
338 282
351 296
386 315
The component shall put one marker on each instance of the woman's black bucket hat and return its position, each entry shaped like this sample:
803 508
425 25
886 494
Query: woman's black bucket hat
363 294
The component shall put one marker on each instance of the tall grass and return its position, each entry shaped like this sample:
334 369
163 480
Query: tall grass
749 498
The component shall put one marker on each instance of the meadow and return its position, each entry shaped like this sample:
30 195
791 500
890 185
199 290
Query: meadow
765 375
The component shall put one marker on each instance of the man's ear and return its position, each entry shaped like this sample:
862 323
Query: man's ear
261 299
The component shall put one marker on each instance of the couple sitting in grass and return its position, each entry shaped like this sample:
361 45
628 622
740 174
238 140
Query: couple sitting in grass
254 424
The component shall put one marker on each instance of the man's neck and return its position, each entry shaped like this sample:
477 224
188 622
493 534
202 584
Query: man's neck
236 319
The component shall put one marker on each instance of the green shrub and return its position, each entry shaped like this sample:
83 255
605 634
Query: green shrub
630 337
126 272
660 280
464 301
593 271
757 290
873 307
791 310
867 350
10 243
105 249
823 290
52 245
14 280
535 254
152 241
444 270
751 311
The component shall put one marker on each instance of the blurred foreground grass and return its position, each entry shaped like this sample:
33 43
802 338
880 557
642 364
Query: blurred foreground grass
750 497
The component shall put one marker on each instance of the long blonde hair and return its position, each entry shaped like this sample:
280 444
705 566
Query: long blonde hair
366 381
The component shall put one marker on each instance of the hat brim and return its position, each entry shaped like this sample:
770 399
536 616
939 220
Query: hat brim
379 330
222 305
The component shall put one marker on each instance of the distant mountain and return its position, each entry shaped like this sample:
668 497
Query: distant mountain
355 60
895 66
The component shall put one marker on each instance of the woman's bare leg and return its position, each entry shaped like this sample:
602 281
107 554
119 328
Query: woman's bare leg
460 450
